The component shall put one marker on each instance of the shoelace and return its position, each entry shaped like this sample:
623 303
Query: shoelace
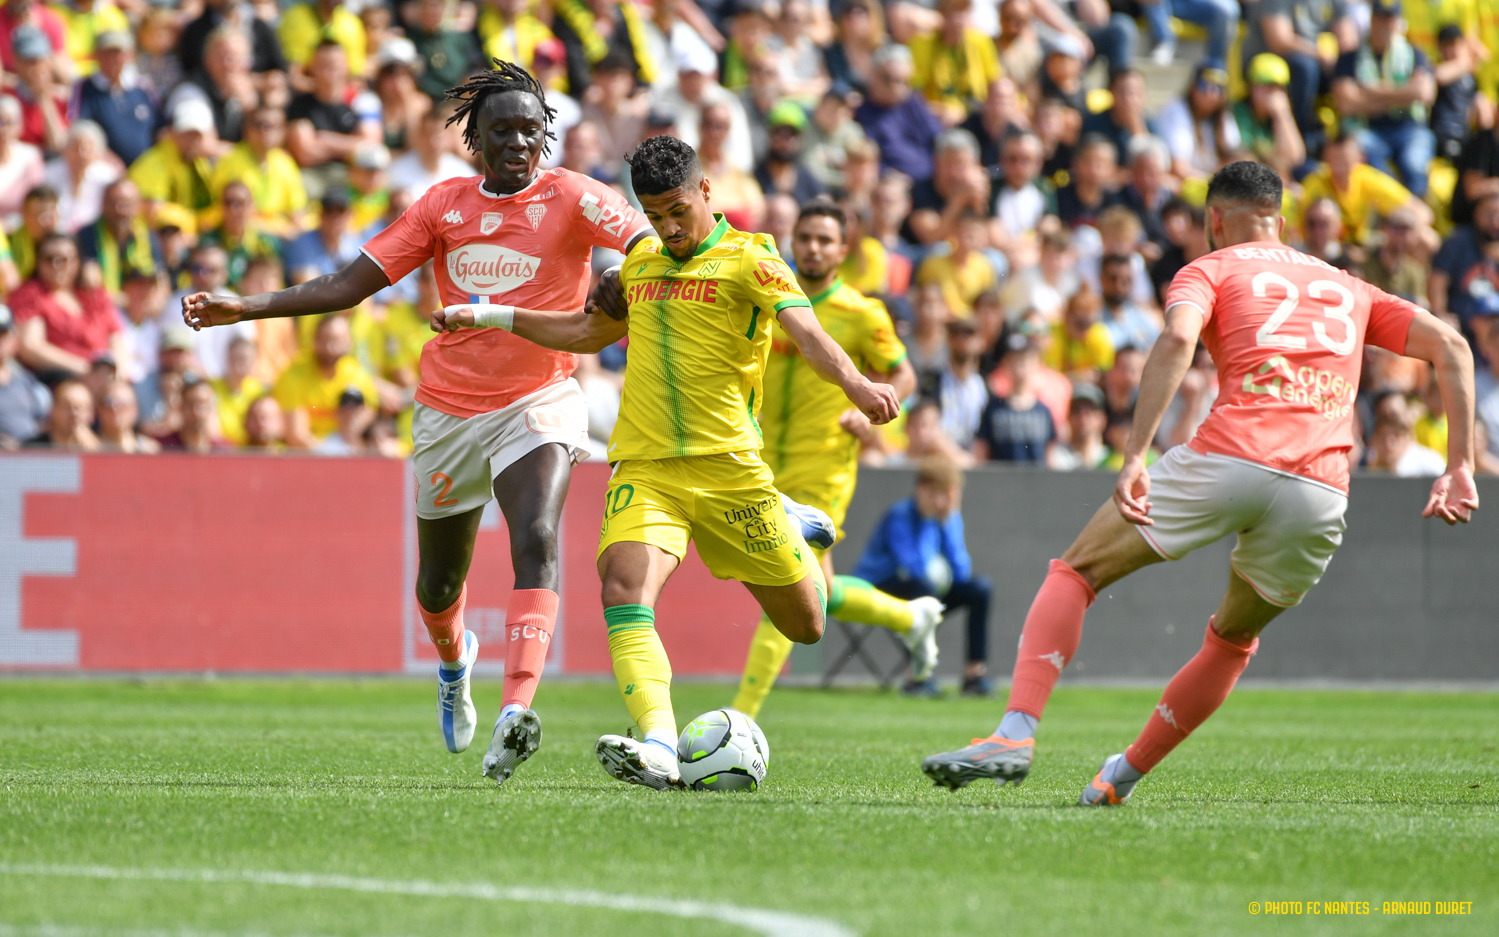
447 693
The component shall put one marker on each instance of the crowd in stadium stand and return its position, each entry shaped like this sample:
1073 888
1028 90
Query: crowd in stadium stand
1010 194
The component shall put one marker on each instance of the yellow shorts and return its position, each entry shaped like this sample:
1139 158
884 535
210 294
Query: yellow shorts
830 493
726 503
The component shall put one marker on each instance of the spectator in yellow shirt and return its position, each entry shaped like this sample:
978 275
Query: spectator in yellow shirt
307 24
1363 193
309 390
964 273
955 65
178 168
237 390
272 175
369 188
85 20
511 33
1080 346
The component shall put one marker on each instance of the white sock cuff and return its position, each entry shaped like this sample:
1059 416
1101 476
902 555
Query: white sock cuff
661 738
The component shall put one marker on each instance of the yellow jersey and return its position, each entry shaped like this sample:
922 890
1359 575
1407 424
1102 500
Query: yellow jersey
1370 195
301 29
234 405
275 185
302 386
801 411
699 332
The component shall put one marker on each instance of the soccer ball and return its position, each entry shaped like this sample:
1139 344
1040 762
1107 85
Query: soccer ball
723 750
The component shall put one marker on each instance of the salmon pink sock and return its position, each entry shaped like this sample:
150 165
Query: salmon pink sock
1053 628
528 634
445 628
1194 694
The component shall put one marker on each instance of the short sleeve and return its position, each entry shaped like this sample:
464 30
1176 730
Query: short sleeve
1346 66
1193 285
1385 192
770 284
408 243
603 218
881 349
1389 320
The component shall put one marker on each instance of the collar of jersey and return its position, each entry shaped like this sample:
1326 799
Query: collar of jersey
832 288
488 194
716 235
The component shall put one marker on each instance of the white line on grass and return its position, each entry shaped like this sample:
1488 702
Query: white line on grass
769 923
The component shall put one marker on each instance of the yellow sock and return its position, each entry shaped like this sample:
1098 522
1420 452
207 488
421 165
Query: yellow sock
767 654
641 668
854 600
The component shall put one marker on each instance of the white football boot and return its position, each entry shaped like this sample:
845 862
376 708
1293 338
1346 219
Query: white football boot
638 762
516 738
456 715
926 613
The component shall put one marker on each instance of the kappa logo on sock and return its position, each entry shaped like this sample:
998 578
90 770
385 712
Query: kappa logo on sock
1167 716
629 689
1056 659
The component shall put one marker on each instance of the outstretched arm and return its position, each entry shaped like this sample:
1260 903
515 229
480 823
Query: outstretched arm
1164 370
577 332
832 364
1453 496
343 289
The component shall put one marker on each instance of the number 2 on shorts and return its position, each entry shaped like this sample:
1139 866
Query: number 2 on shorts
441 499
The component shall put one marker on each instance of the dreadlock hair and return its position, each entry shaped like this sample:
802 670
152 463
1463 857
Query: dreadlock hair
660 164
506 76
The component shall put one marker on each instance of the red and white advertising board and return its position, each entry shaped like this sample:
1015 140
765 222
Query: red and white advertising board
242 563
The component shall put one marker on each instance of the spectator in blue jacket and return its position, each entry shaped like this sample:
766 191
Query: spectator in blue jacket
918 549
896 118
112 98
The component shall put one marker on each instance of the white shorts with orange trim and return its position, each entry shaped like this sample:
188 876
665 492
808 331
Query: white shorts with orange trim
458 459
1288 526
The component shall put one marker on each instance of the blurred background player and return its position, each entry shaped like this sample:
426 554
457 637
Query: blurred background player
1270 462
496 416
697 303
812 443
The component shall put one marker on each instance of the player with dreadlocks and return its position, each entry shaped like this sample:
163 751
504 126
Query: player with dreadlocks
494 412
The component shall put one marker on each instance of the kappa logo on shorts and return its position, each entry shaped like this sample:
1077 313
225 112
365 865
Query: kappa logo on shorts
490 222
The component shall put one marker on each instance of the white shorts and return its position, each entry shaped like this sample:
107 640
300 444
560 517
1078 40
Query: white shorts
1288 526
457 459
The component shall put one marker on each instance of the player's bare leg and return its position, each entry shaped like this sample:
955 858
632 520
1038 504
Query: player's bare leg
796 610
1194 694
1108 549
633 575
530 493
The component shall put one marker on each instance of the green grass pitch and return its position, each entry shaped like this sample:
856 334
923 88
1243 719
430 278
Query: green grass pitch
1284 796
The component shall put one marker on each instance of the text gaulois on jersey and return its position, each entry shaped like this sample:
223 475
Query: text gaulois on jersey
703 291
488 270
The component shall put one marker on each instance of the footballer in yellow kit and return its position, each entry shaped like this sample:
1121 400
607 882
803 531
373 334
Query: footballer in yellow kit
685 448
697 303
812 439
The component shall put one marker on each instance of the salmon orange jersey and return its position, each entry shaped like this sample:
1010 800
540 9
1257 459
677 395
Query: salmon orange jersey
1287 333
531 248
803 441
699 334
